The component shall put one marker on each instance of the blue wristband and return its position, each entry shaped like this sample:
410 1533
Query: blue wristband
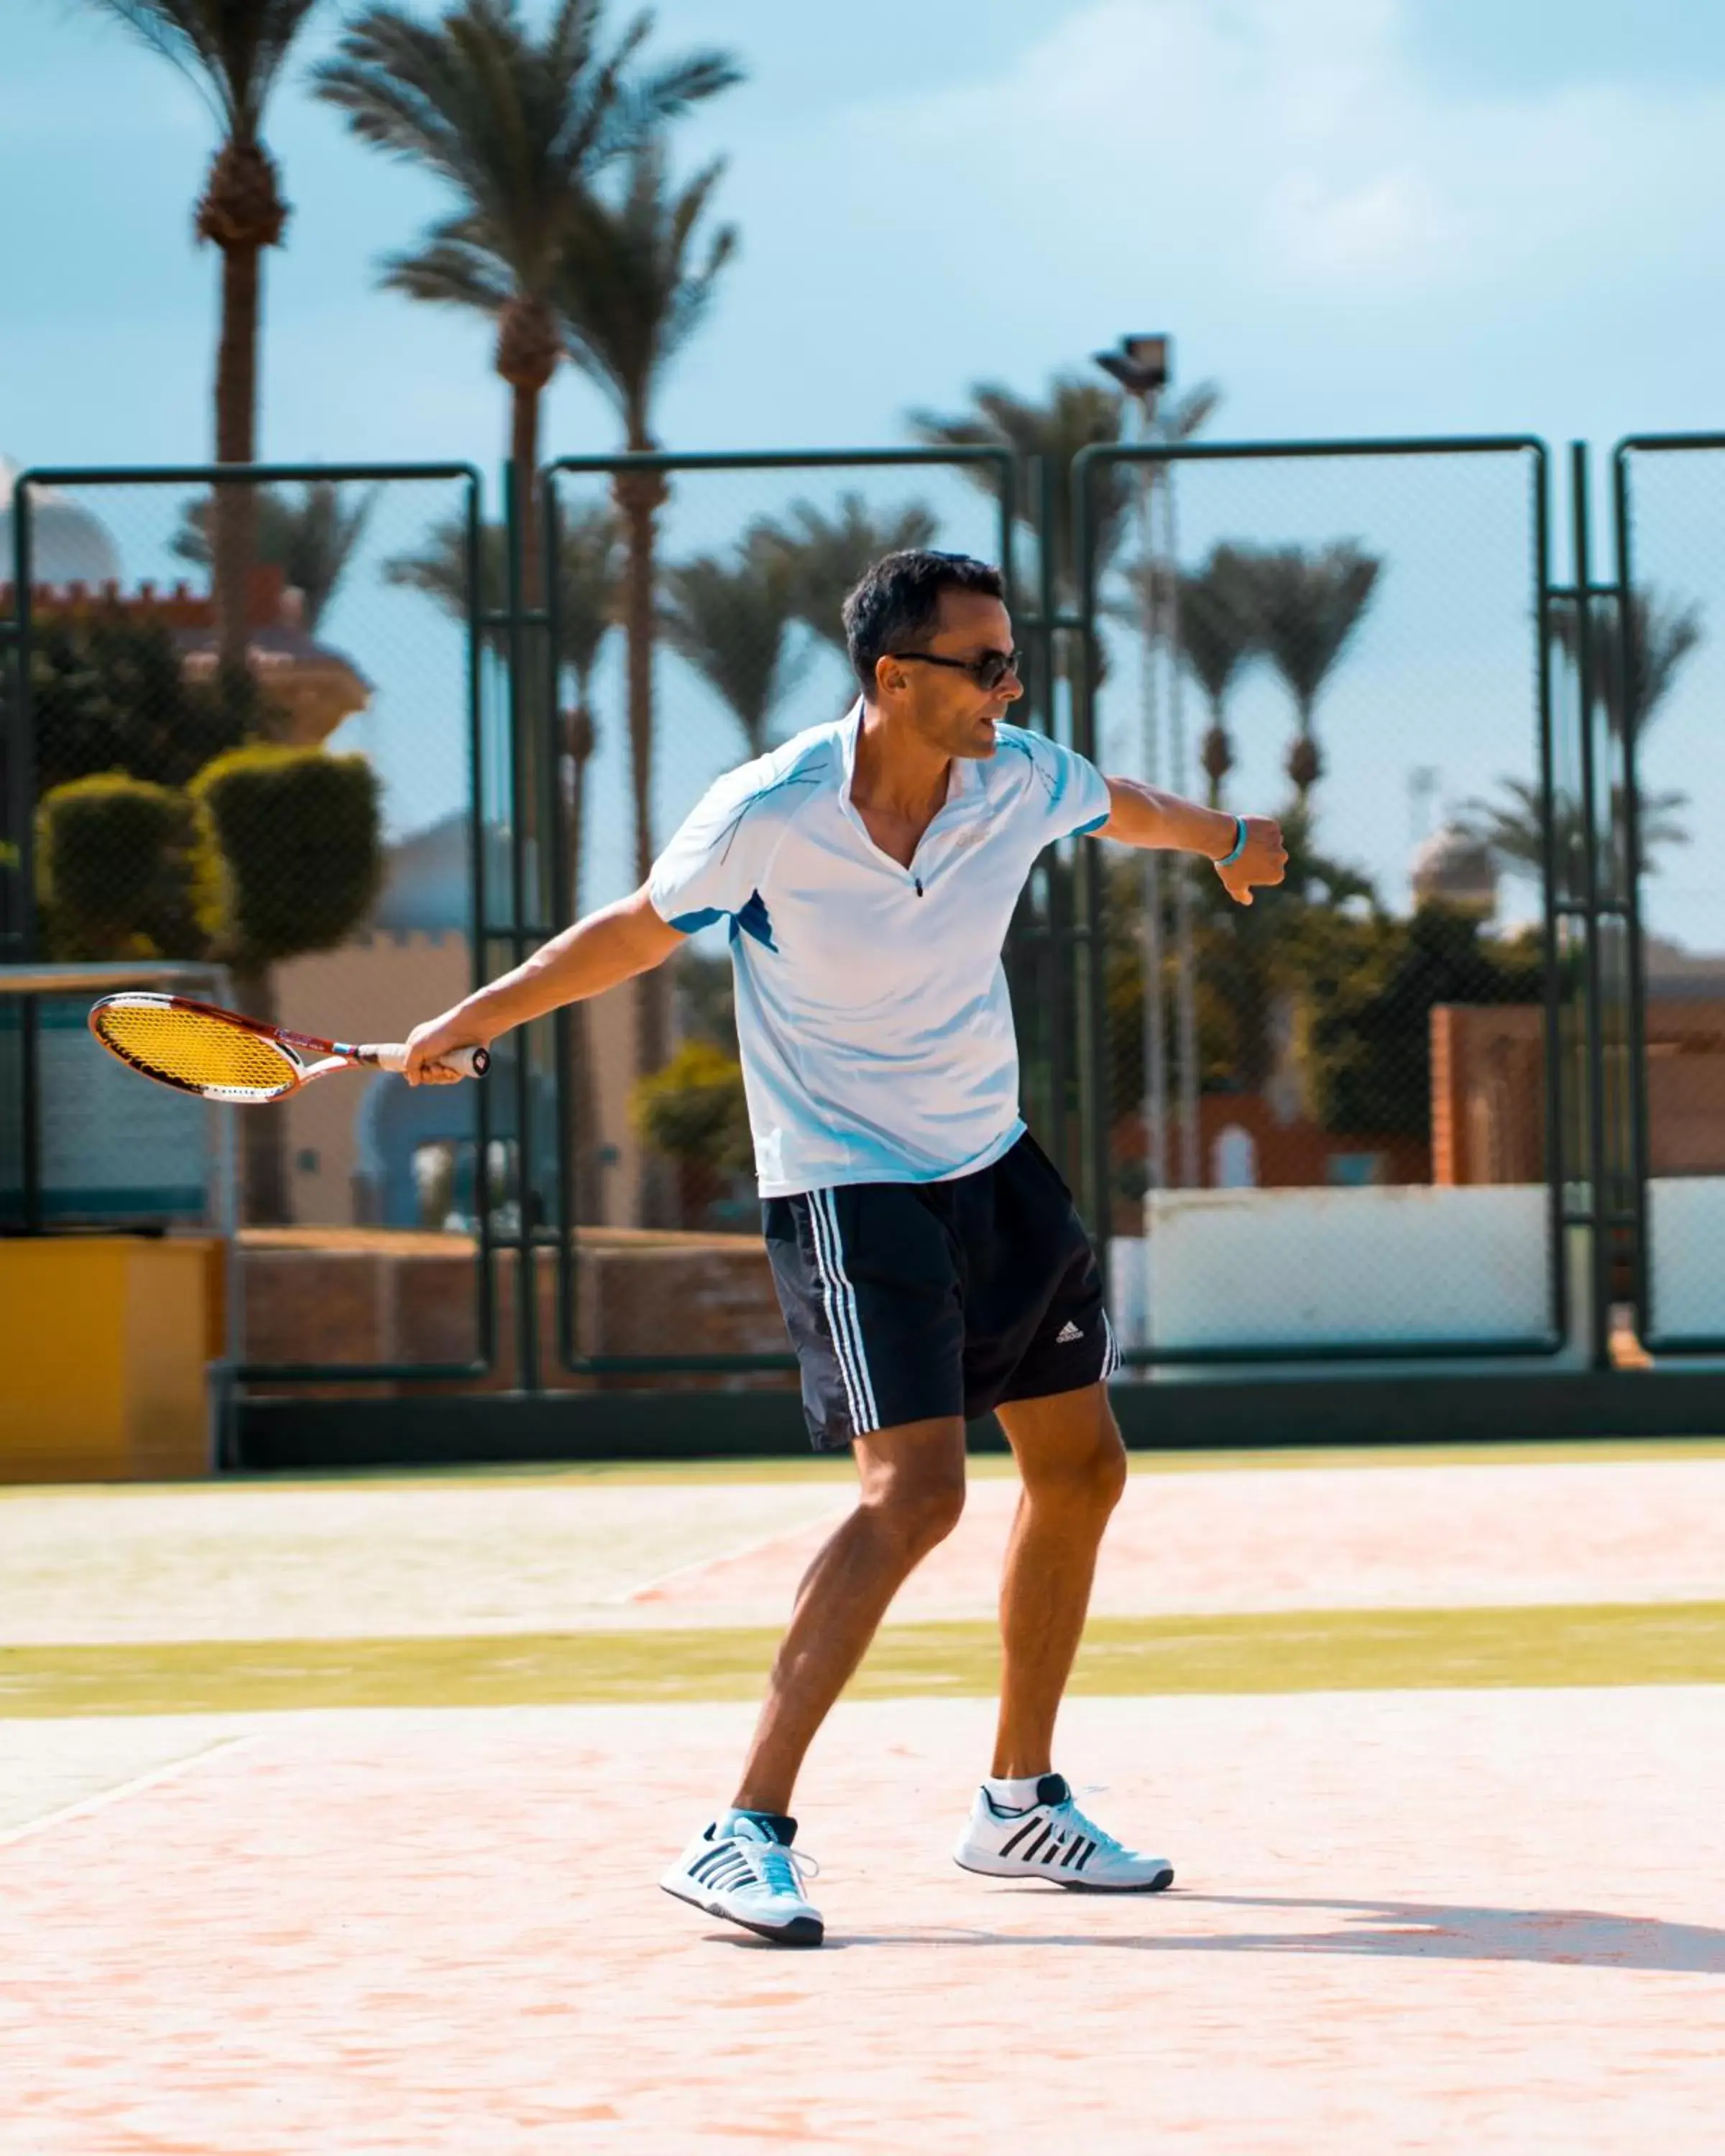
1228 860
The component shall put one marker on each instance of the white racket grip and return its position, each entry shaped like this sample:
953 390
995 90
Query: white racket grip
392 1055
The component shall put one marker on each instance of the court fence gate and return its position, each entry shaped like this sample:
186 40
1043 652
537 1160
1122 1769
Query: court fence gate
1448 1098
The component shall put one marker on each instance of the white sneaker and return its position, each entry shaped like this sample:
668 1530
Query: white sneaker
1053 1840
749 1874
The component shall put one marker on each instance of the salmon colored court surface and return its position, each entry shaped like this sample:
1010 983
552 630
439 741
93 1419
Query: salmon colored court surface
1476 1912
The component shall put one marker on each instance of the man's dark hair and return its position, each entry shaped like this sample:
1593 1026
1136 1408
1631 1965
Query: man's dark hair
896 607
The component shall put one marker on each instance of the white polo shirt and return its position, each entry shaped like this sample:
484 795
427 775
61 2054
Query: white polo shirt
871 1005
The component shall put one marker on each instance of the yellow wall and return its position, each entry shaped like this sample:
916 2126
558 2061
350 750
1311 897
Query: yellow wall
103 1348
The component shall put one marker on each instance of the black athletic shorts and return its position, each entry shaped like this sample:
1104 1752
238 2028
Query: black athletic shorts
907 1301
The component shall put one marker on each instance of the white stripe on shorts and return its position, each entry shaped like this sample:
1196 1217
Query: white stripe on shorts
1111 1351
838 1315
829 1298
850 1316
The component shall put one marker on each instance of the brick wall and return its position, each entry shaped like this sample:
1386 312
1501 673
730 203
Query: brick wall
376 1296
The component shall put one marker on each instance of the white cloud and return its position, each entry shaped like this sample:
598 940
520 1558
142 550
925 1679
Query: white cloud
1247 169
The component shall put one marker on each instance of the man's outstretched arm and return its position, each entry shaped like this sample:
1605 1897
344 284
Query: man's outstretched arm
1140 815
608 947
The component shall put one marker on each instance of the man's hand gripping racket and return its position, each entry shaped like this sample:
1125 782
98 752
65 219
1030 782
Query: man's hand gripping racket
224 1056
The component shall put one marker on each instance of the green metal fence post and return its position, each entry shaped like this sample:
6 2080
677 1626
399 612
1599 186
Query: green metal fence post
21 761
484 1288
1600 1269
1558 1212
1640 1138
526 1289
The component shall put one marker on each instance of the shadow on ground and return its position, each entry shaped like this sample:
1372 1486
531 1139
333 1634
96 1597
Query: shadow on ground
1422 1931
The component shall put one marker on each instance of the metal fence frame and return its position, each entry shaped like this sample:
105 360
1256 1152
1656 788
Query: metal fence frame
21 777
534 913
1101 456
1641 1137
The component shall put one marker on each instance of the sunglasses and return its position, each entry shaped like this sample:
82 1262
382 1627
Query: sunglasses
988 672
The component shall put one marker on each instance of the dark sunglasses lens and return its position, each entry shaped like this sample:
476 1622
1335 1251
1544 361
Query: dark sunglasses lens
993 670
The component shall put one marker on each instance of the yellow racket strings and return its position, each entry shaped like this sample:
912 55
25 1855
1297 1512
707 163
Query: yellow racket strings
187 1047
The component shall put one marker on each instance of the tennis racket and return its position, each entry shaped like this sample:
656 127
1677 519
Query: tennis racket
224 1056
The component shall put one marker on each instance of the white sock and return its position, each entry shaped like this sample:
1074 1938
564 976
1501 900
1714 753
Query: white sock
1012 1793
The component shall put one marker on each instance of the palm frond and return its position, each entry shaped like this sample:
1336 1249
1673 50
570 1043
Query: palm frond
448 273
1074 414
1512 828
311 537
1636 660
589 580
826 555
517 123
1214 620
629 292
1308 603
231 51
729 620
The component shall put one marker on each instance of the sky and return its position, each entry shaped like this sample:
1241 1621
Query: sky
1357 217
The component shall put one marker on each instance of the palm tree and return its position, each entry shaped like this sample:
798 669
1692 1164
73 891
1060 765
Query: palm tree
1633 676
310 540
826 556
729 620
233 51
1217 629
1637 665
1308 605
1219 635
1512 828
636 276
589 580
590 584
1074 414
515 125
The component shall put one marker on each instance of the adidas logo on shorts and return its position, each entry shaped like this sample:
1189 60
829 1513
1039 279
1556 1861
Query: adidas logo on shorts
1068 1332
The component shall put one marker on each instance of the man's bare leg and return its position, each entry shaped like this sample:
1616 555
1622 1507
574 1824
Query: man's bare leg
1073 1465
912 1494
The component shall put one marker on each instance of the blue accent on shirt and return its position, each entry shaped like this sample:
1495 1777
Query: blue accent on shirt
753 920
1096 823
691 924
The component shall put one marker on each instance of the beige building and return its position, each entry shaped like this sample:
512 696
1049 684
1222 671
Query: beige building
351 1150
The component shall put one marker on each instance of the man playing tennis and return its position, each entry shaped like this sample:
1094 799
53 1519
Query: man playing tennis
927 1256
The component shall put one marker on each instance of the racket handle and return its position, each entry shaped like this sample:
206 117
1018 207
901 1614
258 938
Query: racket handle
469 1062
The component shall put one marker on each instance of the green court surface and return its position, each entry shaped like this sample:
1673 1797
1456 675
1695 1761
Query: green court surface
1332 1651
836 1467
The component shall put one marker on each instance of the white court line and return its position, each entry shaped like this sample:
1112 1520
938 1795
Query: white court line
753 1548
104 1798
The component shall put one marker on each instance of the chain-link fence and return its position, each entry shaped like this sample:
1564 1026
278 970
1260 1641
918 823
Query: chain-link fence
1328 1120
356 742
244 729
1660 695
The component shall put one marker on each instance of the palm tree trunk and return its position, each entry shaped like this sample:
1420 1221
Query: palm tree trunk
586 1198
263 1164
524 454
233 515
639 495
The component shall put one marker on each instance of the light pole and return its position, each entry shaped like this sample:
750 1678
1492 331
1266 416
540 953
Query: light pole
1143 366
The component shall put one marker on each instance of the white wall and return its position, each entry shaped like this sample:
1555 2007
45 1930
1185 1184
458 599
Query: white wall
1396 1266
1686 1254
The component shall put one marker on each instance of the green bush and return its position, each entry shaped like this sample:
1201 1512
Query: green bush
116 870
108 693
293 853
694 1110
